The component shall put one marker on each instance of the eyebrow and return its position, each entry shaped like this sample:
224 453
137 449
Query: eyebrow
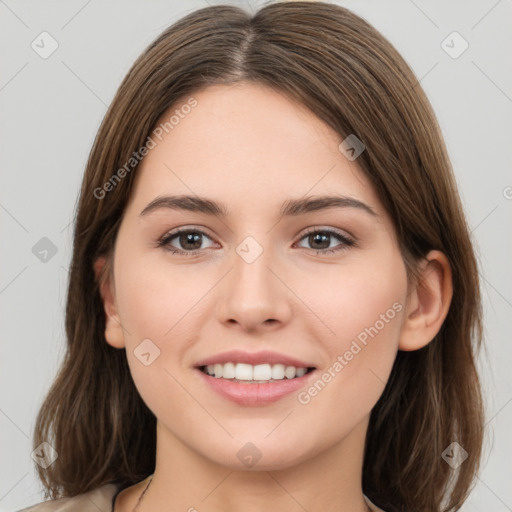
290 208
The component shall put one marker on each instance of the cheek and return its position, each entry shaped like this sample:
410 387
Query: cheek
158 306
357 295
156 299
363 309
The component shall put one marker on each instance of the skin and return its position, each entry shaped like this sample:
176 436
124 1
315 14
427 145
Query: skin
252 148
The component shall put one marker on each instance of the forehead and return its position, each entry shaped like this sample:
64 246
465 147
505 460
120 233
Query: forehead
250 146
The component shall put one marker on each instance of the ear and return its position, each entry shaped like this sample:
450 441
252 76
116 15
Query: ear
428 302
113 329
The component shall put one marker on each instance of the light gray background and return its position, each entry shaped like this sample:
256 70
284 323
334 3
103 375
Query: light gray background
51 109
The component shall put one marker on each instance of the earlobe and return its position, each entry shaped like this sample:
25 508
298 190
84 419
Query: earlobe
104 277
428 303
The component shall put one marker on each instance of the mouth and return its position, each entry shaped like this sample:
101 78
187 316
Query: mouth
254 385
254 378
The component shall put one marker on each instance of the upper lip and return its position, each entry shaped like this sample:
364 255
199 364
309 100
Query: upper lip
254 358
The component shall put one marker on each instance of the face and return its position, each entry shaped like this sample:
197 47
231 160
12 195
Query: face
326 287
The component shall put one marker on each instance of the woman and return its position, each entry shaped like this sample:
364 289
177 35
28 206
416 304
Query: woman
218 358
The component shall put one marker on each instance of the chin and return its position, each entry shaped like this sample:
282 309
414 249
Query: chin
260 455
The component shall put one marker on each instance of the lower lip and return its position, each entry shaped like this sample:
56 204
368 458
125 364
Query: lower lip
255 394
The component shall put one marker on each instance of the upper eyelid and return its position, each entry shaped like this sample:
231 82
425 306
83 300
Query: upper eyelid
315 229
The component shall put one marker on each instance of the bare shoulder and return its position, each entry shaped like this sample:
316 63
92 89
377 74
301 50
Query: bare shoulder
98 500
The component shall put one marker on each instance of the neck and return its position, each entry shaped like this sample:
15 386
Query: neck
328 481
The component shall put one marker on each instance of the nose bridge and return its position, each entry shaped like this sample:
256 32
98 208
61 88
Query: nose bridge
253 294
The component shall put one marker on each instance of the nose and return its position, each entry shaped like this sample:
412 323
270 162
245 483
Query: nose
254 294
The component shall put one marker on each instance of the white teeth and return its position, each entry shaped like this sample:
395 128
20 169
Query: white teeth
217 368
278 371
228 372
242 371
300 372
289 372
260 372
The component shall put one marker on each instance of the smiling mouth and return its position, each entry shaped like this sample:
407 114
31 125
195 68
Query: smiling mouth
259 374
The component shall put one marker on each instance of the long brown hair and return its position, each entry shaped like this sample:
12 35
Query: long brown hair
351 77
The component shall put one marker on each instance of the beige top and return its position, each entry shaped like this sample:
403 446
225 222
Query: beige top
99 500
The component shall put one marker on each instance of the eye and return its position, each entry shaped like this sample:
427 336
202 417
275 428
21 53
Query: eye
186 238
321 240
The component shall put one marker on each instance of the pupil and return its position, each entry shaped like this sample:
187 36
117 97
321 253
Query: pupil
187 238
317 237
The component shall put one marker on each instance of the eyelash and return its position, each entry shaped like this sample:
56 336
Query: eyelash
166 239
